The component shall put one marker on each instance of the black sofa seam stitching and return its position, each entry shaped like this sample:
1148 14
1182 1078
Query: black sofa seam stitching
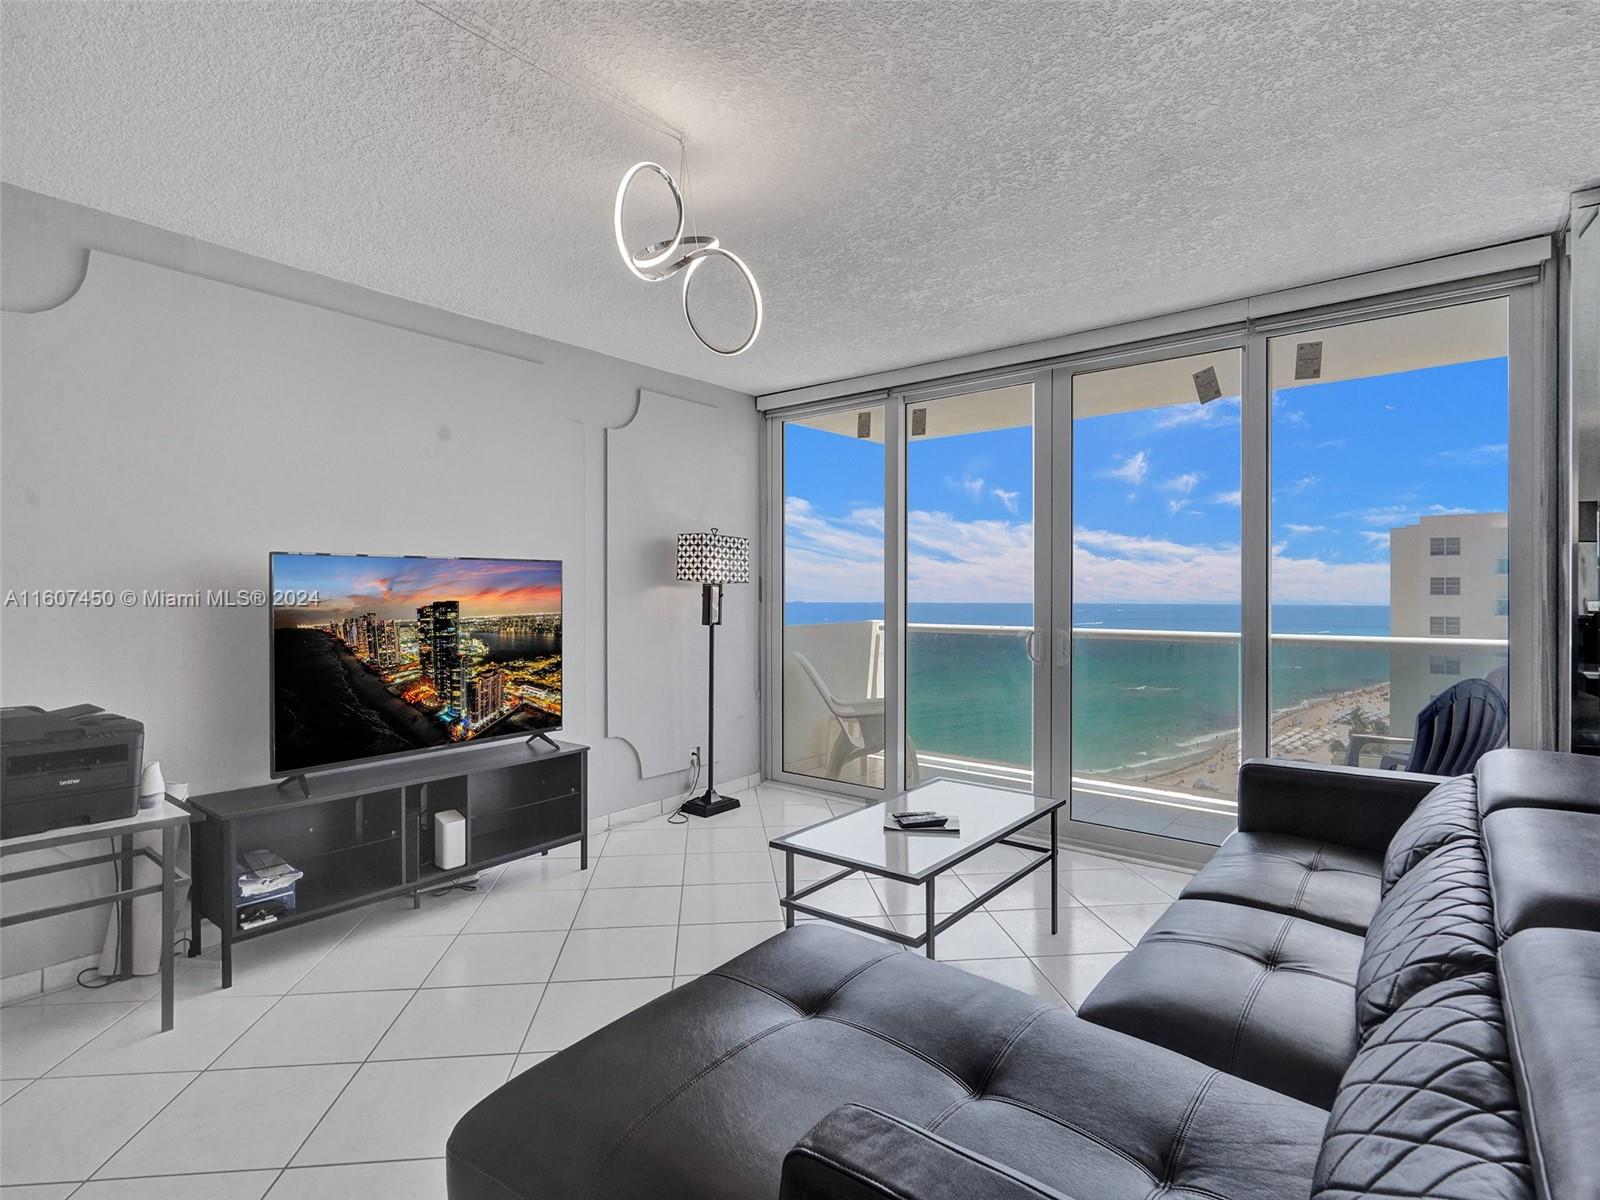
1320 847
640 1121
1305 879
1255 991
1005 1048
1180 1135
477 1170
828 995
1194 941
899 1045
1086 1134
1514 1052
1259 905
951 1110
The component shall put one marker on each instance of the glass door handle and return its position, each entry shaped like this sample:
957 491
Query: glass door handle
1063 647
1034 656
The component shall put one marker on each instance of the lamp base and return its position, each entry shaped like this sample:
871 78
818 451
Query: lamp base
709 804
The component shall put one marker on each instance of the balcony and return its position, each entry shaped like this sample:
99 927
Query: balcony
1155 720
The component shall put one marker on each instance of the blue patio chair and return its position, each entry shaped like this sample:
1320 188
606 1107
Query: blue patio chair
1454 730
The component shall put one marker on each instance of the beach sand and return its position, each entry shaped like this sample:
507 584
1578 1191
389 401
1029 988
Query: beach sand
1306 732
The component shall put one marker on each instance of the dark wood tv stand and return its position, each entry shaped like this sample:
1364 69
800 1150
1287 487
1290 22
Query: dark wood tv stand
367 834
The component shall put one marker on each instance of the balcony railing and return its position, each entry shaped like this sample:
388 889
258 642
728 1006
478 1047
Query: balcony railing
1157 721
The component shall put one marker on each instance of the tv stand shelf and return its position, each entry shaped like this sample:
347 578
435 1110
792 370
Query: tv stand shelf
366 835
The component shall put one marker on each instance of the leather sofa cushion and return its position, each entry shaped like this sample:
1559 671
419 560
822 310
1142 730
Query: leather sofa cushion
1447 814
1320 881
1551 990
857 1153
1544 868
1429 1106
1435 923
1258 994
1538 779
700 1094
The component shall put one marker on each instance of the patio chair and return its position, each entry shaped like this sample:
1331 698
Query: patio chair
861 726
1454 729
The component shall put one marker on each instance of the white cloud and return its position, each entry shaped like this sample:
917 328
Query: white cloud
1301 484
971 485
1391 515
1302 529
1183 485
1009 499
1316 581
1232 498
1488 453
832 558
841 558
948 560
1132 469
1110 567
1218 412
1176 506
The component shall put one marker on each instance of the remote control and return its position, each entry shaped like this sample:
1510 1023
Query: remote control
913 814
923 821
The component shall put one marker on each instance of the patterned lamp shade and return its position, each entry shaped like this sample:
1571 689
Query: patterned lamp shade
713 558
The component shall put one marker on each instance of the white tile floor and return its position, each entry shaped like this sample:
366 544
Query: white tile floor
347 1048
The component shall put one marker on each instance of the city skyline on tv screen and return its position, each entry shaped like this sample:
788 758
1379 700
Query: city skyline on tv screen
376 656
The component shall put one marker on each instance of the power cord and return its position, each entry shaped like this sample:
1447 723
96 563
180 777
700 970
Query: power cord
116 930
459 885
678 816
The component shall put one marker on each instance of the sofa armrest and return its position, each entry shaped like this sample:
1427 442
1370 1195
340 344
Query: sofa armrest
858 1153
1359 807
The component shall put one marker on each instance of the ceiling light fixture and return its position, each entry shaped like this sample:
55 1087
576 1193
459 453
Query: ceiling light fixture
681 252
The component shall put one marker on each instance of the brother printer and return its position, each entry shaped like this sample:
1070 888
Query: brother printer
69 766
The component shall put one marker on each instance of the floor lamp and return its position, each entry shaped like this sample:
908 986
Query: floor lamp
711 560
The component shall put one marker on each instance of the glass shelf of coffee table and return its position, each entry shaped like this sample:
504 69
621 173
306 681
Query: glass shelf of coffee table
858 842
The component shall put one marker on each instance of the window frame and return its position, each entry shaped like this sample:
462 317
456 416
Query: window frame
1537 488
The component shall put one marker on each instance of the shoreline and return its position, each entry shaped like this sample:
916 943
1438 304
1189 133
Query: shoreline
1305 731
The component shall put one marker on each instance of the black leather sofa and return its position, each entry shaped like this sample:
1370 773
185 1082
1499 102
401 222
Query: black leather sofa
1377 988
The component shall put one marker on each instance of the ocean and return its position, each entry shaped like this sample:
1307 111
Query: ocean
1133 701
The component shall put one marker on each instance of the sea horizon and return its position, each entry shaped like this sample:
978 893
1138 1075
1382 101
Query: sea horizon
1196 617
1134 700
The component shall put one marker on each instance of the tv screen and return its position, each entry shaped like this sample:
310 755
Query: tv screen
374 657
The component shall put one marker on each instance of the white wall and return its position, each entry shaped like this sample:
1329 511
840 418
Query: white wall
166 421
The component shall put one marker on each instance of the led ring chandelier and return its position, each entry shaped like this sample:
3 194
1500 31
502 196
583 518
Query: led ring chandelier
662 260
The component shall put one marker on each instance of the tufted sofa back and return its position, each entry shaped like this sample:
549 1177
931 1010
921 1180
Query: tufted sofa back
1478 997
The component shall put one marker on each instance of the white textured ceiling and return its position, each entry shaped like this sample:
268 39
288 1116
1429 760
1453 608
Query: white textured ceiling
908 180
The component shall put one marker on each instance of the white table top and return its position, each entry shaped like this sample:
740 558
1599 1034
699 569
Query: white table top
859 839
144 821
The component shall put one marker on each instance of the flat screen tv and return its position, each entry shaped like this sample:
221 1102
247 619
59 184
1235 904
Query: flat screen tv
374 657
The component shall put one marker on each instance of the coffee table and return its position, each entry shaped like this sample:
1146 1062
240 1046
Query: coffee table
858 841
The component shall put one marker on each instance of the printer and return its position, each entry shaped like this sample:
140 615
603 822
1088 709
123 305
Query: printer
67 766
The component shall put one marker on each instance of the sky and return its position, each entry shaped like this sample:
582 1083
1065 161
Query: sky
1156 496
393 588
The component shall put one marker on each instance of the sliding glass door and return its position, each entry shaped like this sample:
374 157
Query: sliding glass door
1391 566
970 567
1112 579
1154 586
834 720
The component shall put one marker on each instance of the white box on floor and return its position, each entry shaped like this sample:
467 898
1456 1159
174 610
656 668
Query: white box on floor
449 839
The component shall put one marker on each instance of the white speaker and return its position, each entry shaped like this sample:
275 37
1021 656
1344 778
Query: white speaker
449 839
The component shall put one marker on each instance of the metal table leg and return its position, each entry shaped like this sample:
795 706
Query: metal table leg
788 887
125 912
931 919
1055 896
169 921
